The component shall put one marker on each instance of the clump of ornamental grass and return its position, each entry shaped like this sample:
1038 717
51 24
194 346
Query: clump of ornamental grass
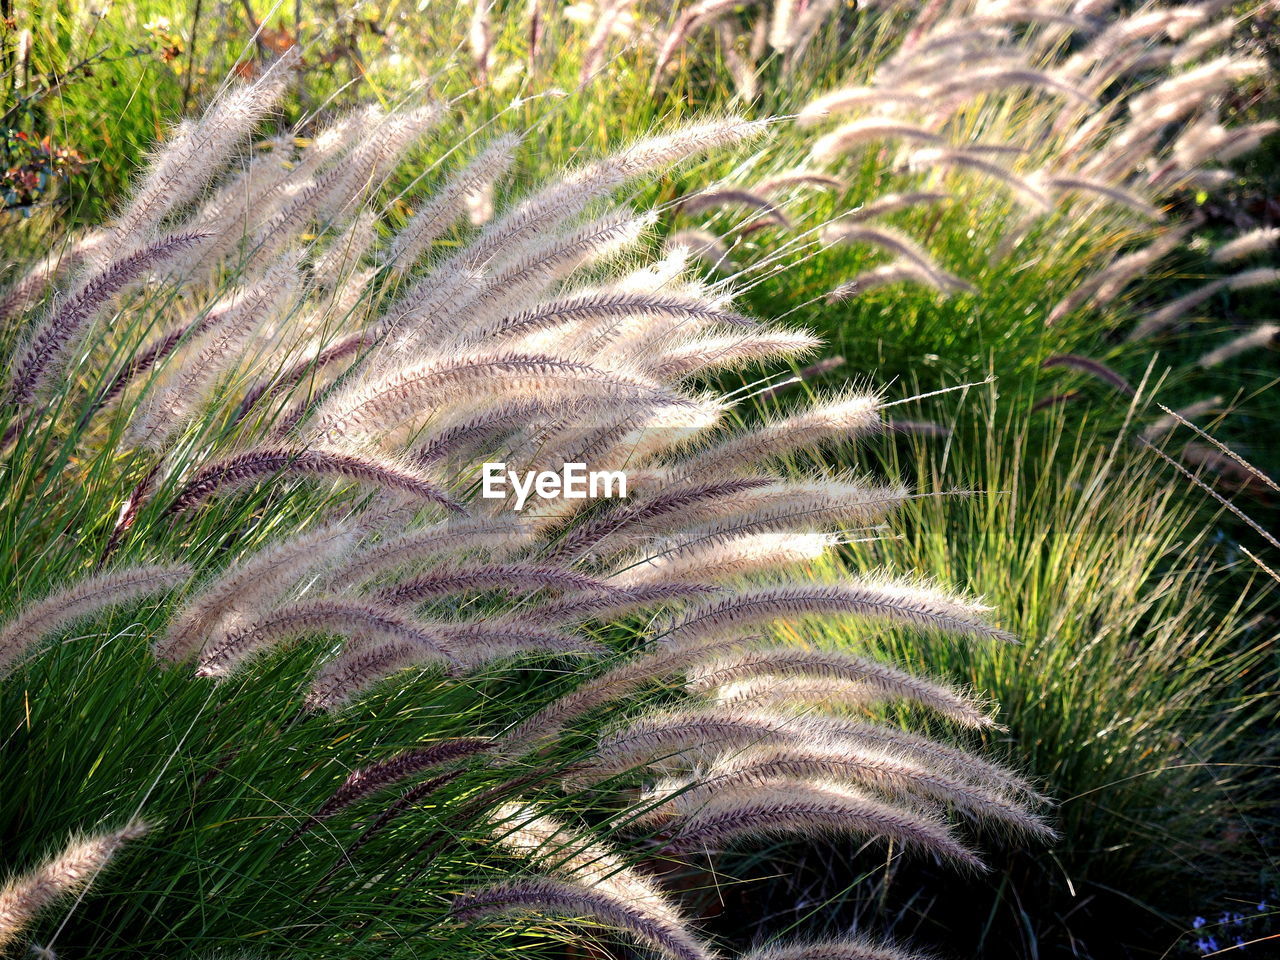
1153 706
1000 174
289 430
392 368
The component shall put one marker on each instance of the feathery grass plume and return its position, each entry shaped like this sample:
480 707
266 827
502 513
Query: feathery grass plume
1207 140
693 736
139 363
789 505
513 577
478 202
262 463
35 621
844 418
538 264
899 271
576 856
1104 286
954 761
900 246
480 39
1263 335
703 244
281 227
1008 15
687 737
814 810
1246 139
676 499
901 602
343 348
615 602
781 25
848 136
1247 244
343 253
805 27
226 653
727 559
651 928
800 178
1165 424
1250 279
355 670
568 196
27 291
607 16
1023 190
1174 310
1205 80
60 332
78 865
735 196
450 284
1093 368
744 69
921 75
249 584
1211 180
414 546
695 15
894 776
887 680
337 138
606 305
730 351
611 686
238 207
1203 41
467 430
1113 42
795 693
224 335
399 397
195 155
445 205
892 203
482 643
626 437
367 165
366 781
857 98
995 78
1119 195
846 949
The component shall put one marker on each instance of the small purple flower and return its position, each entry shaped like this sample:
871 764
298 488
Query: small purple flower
1199 922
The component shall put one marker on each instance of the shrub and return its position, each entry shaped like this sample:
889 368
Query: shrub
240 409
